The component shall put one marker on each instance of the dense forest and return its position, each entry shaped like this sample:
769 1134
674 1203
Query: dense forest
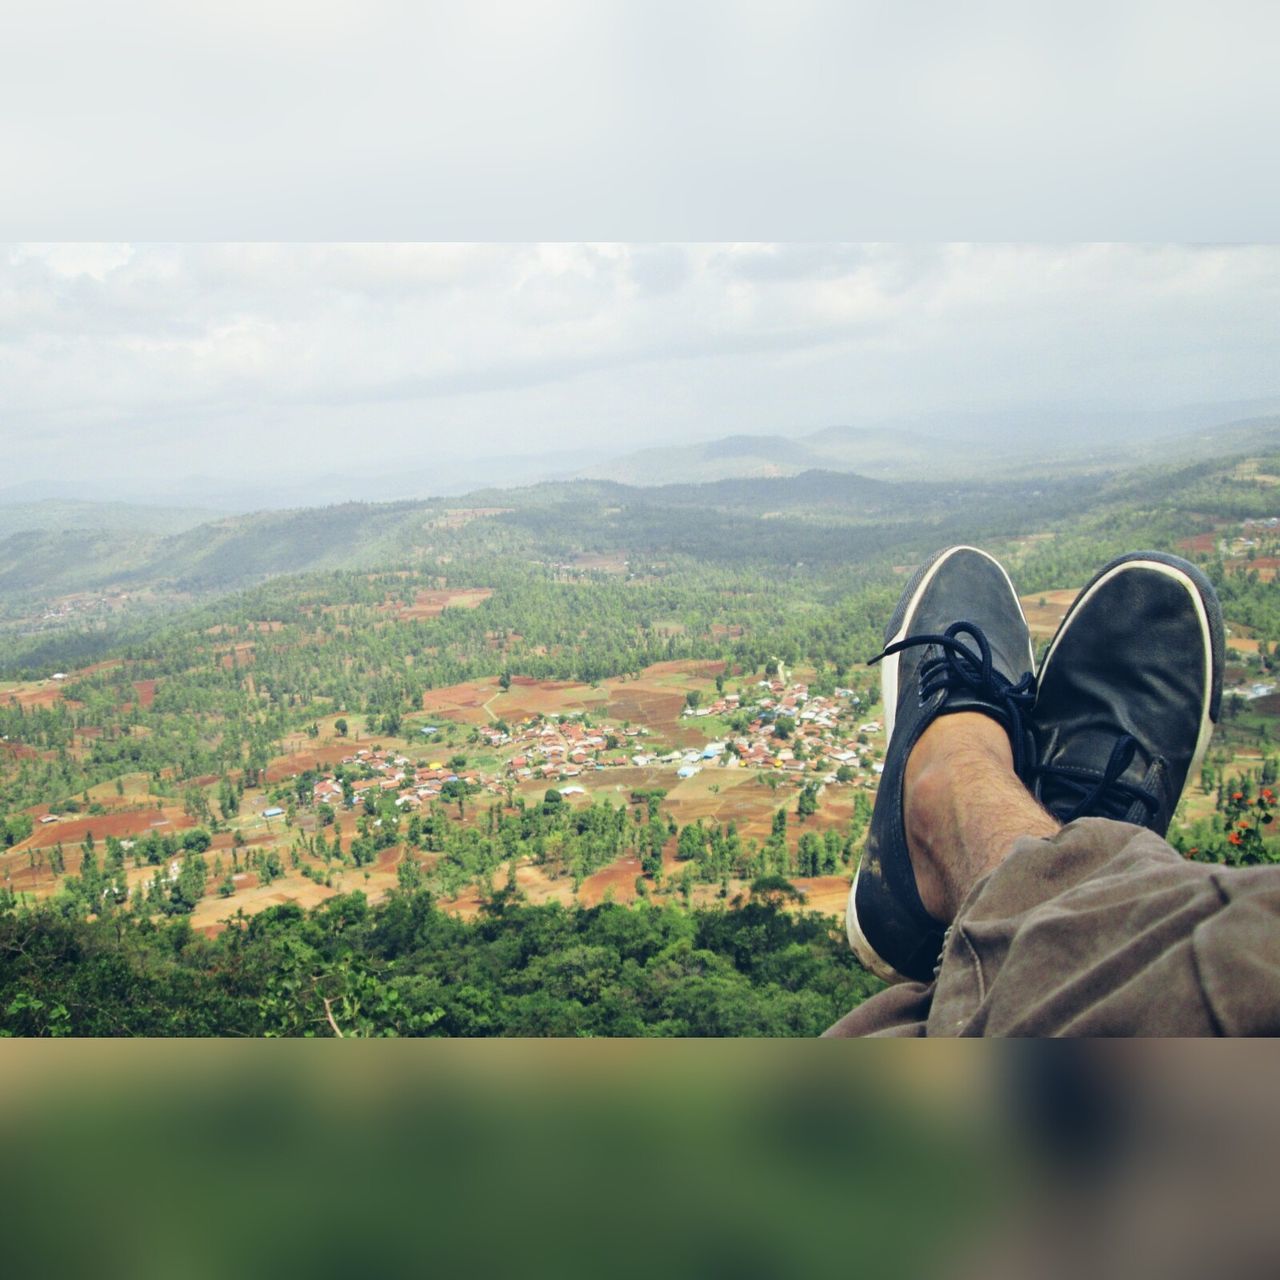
406 968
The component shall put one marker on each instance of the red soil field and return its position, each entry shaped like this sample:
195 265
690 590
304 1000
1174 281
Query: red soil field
431 604
146 691
1265 566
41 696
305 758
137 822
100 666
825 894
1201 543
527 698
656 711
241 655
619 876
1241 644
461 702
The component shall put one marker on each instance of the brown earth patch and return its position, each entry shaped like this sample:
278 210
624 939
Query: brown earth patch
1043 619
825 894
136 822
304 758
599 563
620 877
41 695
459 516
146 691
1201 543
431 604
1264 566
461 702
95 667
239 655
528 698
1242 644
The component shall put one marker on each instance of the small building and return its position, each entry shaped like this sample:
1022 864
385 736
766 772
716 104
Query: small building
274 812
687 771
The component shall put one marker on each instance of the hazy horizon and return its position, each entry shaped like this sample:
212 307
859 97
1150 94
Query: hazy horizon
273 367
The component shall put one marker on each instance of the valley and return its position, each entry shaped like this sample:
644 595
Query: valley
535 709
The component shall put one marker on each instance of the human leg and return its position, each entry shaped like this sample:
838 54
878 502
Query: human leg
957 646
1101 928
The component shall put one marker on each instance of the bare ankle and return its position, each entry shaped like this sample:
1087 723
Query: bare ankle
963 806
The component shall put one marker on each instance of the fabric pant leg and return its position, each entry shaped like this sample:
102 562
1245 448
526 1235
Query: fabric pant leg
1102 929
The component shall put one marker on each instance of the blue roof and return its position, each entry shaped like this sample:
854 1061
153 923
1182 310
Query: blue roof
272 813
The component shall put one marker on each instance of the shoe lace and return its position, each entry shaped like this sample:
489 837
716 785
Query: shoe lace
1102 795
958 666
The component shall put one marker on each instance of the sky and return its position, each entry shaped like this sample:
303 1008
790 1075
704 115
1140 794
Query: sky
153 361
639 119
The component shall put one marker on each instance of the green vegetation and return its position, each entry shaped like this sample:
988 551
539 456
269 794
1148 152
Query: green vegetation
224 643
406 968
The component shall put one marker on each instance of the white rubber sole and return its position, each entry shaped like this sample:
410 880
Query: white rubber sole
867 955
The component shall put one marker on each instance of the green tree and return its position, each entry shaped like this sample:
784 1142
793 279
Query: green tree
807 804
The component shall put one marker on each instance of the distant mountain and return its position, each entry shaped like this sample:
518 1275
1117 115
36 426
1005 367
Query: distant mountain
429 474
960 445
875 451
770 505
54 515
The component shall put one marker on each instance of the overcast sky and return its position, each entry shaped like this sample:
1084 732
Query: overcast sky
209 359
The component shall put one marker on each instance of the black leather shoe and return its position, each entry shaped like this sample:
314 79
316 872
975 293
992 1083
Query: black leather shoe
1129 692
957 642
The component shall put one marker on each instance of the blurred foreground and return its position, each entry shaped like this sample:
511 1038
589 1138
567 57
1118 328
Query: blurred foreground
554 1159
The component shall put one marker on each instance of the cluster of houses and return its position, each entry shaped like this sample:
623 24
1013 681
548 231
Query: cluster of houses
566 748
826 736
78 606
412 784
823 735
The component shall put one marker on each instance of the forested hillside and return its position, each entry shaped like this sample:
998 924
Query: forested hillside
339 706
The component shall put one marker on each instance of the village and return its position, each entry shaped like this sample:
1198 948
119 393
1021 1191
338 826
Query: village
774 726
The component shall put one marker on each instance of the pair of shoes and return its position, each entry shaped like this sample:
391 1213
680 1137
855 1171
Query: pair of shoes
1121 714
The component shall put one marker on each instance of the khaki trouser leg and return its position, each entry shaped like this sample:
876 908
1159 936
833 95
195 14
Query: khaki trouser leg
1103 929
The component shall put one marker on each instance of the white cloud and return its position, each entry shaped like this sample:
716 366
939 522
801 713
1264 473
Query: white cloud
181 356
70 259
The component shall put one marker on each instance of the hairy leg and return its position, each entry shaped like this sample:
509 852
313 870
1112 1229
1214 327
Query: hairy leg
963 808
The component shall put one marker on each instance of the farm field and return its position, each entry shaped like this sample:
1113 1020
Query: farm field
654 699
651 702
